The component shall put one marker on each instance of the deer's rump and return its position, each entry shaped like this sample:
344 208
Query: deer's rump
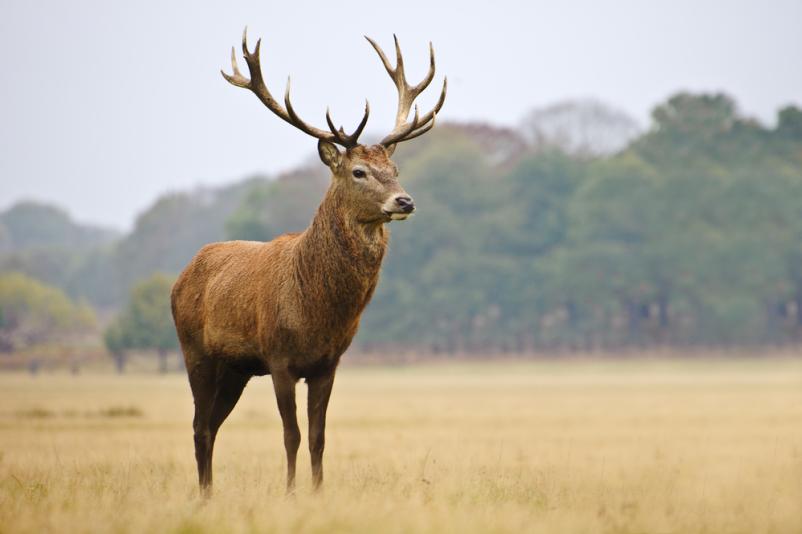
226 302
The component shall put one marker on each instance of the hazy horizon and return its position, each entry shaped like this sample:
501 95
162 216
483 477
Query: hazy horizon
107 106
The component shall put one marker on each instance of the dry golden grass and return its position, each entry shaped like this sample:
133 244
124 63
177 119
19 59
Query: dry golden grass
626 446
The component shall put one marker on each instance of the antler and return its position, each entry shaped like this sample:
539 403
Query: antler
257 85
404 130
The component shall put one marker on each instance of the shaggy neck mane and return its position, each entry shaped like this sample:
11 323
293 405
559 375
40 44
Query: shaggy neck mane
337 260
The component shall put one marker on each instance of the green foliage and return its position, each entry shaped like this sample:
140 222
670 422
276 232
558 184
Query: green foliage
691 235
29 225
282 205
87 262
789 123
45 243
166 236
146 323
33 314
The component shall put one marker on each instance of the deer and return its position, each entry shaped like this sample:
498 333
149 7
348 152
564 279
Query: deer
291 306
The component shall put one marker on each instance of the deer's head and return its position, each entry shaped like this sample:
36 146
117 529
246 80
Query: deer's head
364 175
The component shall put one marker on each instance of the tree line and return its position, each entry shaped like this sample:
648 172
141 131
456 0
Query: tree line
688 234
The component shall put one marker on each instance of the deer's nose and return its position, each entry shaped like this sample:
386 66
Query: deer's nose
406 203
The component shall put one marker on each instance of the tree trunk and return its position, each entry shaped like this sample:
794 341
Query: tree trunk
663 332
633 311
120 359
662 311
797 330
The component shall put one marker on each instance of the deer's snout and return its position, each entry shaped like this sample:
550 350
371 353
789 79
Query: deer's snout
405 203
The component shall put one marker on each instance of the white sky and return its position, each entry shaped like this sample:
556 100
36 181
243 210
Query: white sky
105 105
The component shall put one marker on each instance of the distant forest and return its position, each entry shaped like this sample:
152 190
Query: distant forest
574 231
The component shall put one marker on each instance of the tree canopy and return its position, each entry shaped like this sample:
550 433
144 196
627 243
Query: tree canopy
690 234
146 322
33 314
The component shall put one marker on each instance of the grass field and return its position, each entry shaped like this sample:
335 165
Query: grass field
626 446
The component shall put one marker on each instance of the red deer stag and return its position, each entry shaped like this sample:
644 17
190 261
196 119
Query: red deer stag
290 307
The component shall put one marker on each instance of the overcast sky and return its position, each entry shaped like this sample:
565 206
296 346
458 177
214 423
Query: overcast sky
105 105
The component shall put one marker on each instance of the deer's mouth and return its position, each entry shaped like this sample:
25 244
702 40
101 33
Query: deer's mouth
396 215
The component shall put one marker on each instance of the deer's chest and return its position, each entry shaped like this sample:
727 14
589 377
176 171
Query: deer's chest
323 327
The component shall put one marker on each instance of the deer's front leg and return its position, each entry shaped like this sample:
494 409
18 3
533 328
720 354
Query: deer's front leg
284 385
319 393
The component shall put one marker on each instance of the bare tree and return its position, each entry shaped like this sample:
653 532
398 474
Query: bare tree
579 127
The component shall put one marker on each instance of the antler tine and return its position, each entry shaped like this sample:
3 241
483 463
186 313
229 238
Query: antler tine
407 95
296 121
440 101
390 70
423 125
399 59
400 133
364 121
423 130
256 85
237 78
342 137
418 89
331 122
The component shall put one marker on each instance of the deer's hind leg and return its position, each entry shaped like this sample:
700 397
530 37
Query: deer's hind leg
319 394
202 380
216 389
284 385
230 384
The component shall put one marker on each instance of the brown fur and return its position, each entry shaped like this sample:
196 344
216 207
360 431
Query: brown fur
288 308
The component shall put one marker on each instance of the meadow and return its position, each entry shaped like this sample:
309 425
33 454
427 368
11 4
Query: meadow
629 445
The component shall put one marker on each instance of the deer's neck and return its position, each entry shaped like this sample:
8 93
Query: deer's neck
338 260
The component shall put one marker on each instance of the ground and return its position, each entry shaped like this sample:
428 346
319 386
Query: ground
681 446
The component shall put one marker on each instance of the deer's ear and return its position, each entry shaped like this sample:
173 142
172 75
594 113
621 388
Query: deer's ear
329 154
390 149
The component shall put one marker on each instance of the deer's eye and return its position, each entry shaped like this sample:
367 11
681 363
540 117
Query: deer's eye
358 173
